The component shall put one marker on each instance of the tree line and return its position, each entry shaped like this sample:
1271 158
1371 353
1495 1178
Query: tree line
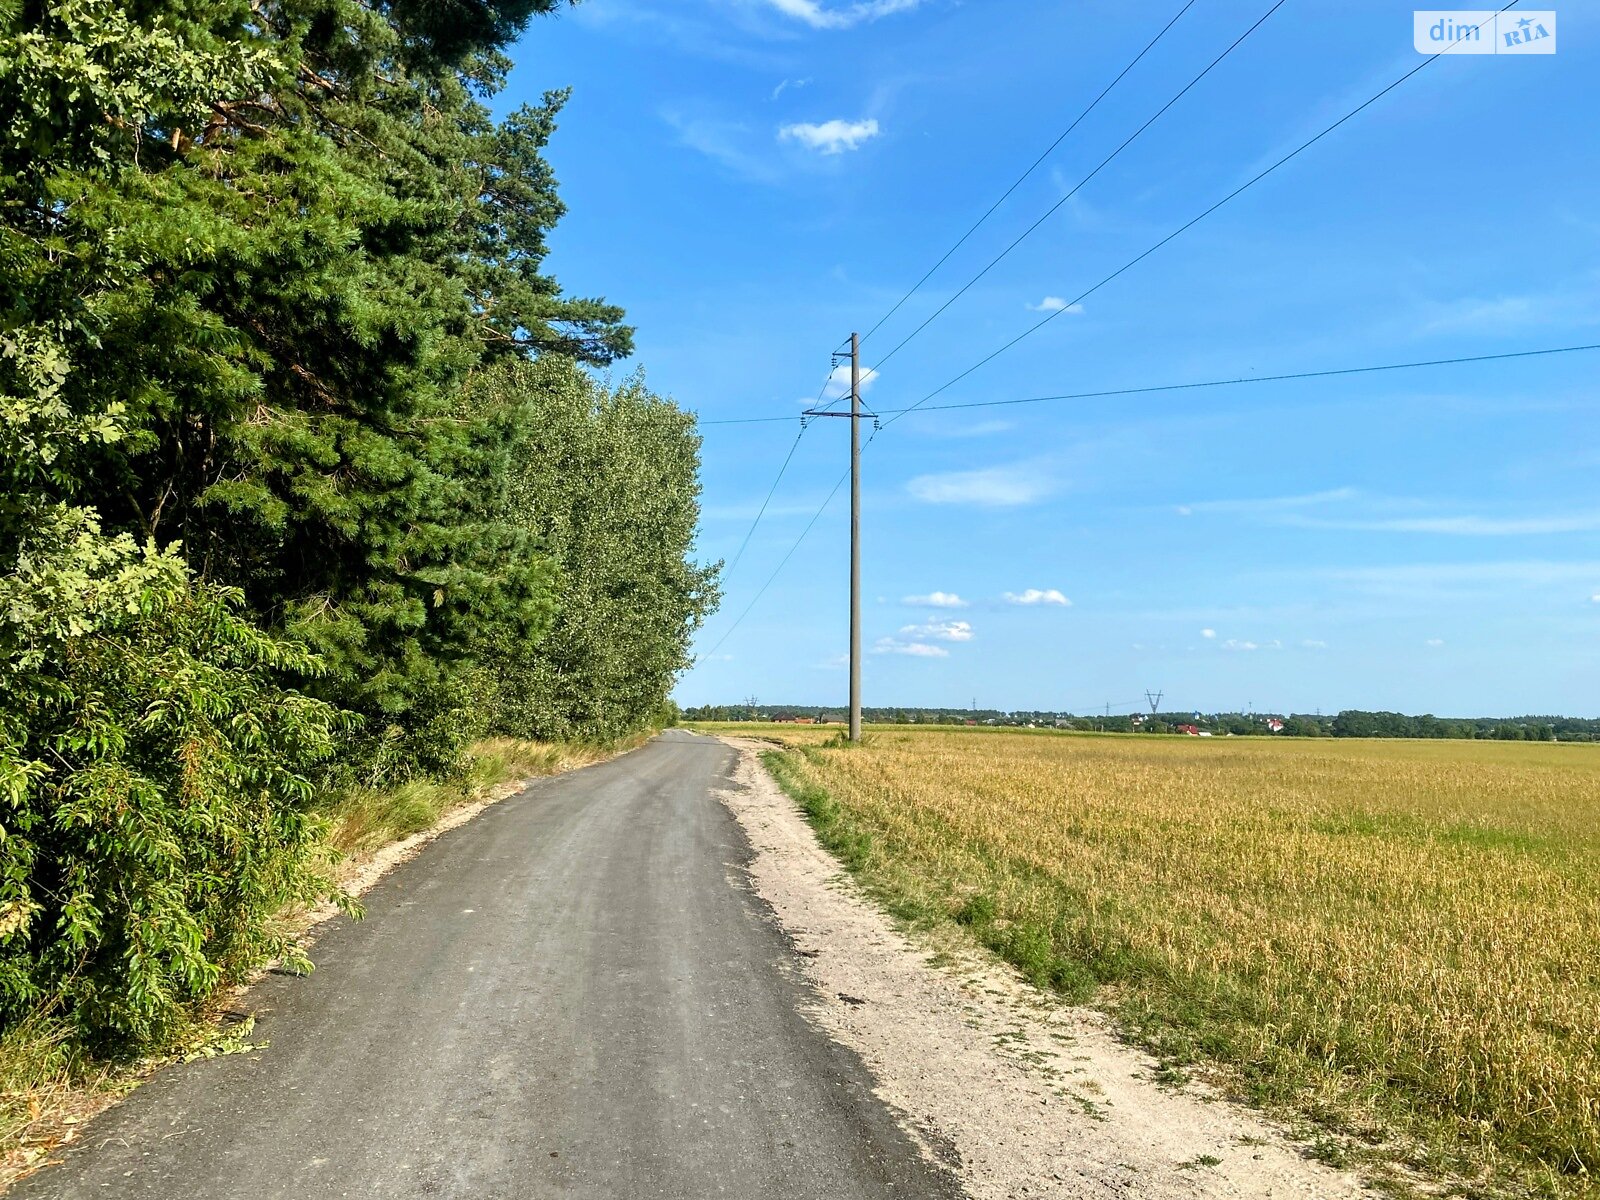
1349 723
310 476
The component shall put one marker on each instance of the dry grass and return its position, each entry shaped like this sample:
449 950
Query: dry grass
367 820
1395 937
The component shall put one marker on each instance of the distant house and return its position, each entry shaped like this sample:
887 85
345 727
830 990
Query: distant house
970 721
1191 730
791 719
1275 725
829 719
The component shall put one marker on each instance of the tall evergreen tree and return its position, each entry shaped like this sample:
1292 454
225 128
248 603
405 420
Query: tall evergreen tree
278 264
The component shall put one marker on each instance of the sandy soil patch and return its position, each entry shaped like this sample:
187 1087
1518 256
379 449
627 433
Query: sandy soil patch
1022 1096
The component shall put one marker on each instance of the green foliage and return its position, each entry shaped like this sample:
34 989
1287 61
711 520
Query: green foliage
606 483
260 511
272 242
154 785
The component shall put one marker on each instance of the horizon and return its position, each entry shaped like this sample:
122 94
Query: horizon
1116 711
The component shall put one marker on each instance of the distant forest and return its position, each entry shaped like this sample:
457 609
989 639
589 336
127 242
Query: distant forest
1349 723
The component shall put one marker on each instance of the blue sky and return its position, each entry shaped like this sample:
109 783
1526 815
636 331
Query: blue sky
753 179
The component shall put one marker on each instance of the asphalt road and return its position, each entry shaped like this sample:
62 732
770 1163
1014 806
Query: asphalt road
574 995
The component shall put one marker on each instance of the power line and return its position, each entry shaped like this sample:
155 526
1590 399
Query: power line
898 413
1051 211
749 533
772 491
1135 391
1018 182
1206 383
776 571
1240 190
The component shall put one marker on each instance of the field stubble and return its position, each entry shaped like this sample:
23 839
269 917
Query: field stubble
1398 939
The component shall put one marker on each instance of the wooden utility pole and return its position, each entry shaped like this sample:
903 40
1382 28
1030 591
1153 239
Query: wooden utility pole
855 414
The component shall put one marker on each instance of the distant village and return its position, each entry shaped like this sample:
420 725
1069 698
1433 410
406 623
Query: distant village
1348 723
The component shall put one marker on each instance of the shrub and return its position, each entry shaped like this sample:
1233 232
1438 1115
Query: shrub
155 803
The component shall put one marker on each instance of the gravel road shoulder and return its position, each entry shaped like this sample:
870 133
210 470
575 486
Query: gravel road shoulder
1029 1098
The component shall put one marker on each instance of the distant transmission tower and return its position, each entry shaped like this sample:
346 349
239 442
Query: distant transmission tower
1155 700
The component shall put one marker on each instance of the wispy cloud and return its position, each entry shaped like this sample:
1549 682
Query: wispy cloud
1572 306
943 600
1244 647
1034 596
1208 633
1268 504
1438 582
821 16
938 631
1435 642
830 137
976 429
787 84
1313 644
990 487
1291 511
1461 526
1052 304
725 142
889 645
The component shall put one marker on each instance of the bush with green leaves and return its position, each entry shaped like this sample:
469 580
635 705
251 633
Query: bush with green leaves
155 786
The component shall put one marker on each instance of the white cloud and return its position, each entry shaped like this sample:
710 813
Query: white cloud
1314 644
787 84
819 16
1435 641
991 487
839 384
1595 599
1208 633
1052 304
889 645
939 631
830 137
1038 596
941 600
1233 644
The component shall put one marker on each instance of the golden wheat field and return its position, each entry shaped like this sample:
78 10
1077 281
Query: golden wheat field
1394 936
